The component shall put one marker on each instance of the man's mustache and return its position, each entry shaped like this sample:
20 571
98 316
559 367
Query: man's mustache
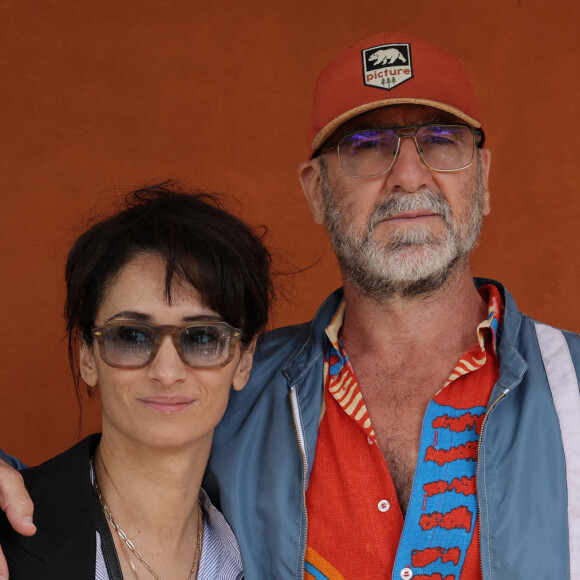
401 202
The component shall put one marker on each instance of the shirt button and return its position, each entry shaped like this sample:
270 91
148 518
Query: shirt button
384 506
370 440
406 573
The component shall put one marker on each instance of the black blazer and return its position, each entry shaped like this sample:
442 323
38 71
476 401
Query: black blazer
66 513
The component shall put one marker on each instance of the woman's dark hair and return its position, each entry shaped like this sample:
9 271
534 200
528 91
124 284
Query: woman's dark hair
201 244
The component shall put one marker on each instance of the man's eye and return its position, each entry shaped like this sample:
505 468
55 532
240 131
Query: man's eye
369 144
442 140
440 136
362 143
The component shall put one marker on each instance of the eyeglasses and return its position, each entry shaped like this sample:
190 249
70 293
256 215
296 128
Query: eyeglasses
126 344
373 152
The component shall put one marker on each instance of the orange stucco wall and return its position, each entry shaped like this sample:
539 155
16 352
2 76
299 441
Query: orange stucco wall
101 97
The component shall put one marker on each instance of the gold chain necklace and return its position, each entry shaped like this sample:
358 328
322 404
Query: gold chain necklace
128 544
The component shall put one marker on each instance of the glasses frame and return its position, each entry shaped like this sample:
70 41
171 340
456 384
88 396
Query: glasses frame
163 330
477 142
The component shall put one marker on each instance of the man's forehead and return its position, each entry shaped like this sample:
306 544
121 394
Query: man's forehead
394 116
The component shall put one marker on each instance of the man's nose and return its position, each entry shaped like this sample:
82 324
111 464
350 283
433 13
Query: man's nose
409 171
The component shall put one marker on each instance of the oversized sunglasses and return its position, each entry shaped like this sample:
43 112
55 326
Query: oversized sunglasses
200 344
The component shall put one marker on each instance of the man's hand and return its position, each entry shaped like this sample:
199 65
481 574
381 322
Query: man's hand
15 501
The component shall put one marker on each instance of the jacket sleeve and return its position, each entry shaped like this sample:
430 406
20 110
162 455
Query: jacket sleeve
12 461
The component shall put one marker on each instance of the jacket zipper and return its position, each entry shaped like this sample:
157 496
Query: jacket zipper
493 405
301 439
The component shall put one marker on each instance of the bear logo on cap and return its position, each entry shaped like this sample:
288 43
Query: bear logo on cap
387 66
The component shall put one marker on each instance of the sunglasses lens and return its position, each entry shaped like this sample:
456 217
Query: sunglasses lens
128 346
203 346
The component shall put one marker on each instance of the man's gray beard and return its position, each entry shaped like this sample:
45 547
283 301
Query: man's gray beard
415 261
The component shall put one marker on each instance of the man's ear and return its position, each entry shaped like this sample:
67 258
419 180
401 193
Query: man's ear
88 366
485 155
311 181
242 374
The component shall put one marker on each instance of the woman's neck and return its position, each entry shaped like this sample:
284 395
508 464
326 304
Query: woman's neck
153 497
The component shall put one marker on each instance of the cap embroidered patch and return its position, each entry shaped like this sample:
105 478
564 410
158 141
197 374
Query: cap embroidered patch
387 66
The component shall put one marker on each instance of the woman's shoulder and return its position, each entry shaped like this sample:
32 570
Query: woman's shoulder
64 516
69 463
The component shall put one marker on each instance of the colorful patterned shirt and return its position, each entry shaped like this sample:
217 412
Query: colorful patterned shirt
356 528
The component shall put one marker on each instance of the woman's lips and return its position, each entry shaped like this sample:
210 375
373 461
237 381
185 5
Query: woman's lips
167 405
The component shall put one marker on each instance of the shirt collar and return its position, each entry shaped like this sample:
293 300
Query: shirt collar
488 329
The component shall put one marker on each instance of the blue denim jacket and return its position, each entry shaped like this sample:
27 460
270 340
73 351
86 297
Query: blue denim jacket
264 451
16 463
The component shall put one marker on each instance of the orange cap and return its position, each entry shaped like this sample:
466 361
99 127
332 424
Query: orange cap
389 69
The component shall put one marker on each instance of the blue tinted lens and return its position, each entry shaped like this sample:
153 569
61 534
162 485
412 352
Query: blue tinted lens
128 344
205 343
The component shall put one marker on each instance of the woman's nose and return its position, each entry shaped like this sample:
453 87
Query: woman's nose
167 366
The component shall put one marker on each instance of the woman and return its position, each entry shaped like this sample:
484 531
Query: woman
164 301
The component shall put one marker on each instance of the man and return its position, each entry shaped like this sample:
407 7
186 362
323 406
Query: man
420 426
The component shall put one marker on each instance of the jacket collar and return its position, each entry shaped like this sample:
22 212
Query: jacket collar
512 368
512 364
312 349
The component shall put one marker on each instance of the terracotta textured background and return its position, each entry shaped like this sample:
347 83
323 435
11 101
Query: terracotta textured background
98 98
